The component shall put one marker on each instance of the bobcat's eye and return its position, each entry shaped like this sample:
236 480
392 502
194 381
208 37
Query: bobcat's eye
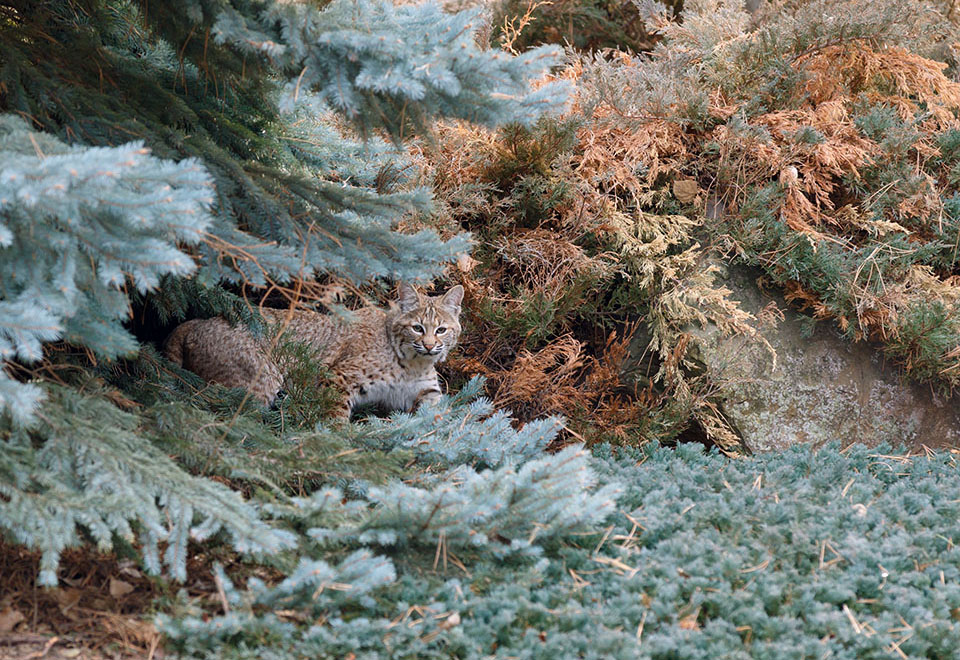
418 328
439 331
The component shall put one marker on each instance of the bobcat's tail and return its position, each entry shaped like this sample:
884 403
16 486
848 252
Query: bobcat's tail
175 342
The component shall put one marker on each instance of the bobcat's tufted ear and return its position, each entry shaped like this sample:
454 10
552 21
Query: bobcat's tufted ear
451 299
408 297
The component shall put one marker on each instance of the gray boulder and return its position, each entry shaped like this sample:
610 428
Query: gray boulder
823 387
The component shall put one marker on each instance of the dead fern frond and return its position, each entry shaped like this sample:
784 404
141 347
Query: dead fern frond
544 261
546 376
891 75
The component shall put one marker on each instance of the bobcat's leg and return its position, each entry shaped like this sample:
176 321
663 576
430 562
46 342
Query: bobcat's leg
344 404
228 355
429 396
342 411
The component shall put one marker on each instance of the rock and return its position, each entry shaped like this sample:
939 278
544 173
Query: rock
823 388
119 588
685 190
10 618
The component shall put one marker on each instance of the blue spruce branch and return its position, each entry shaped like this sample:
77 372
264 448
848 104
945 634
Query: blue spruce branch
77 226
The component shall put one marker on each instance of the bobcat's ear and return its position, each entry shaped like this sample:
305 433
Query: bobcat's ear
451 299
408 297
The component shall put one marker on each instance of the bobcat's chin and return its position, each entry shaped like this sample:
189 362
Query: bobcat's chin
433 352
424 356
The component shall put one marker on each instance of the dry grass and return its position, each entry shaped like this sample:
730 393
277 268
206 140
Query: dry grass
545 261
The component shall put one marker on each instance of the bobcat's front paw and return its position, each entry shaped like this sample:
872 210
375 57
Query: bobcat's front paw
428 396
342 412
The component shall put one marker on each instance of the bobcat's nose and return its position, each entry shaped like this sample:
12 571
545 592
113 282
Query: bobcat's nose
428 346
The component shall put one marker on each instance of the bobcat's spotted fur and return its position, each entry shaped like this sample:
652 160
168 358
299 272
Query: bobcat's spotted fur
384 357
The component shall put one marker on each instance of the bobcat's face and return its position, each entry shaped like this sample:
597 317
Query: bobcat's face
427 326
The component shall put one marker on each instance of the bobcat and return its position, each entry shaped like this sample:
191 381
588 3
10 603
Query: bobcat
384 357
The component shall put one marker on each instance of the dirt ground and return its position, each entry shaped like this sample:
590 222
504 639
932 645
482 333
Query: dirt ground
101 610
26 646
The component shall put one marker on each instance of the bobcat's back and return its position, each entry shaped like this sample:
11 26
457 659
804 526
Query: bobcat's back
221 353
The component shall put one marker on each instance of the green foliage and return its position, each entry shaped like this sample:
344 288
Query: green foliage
231 436
286 204
309 392
255 180
393 66
527 151
504 509
77 226
928 331
537 317
781 556
488 441
179 299
86 466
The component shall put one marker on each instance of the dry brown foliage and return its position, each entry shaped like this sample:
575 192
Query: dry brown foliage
613 147
818 203
893 76
563 378
840 76
544 261
601 234
101 606
621 172
902 80
809 172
